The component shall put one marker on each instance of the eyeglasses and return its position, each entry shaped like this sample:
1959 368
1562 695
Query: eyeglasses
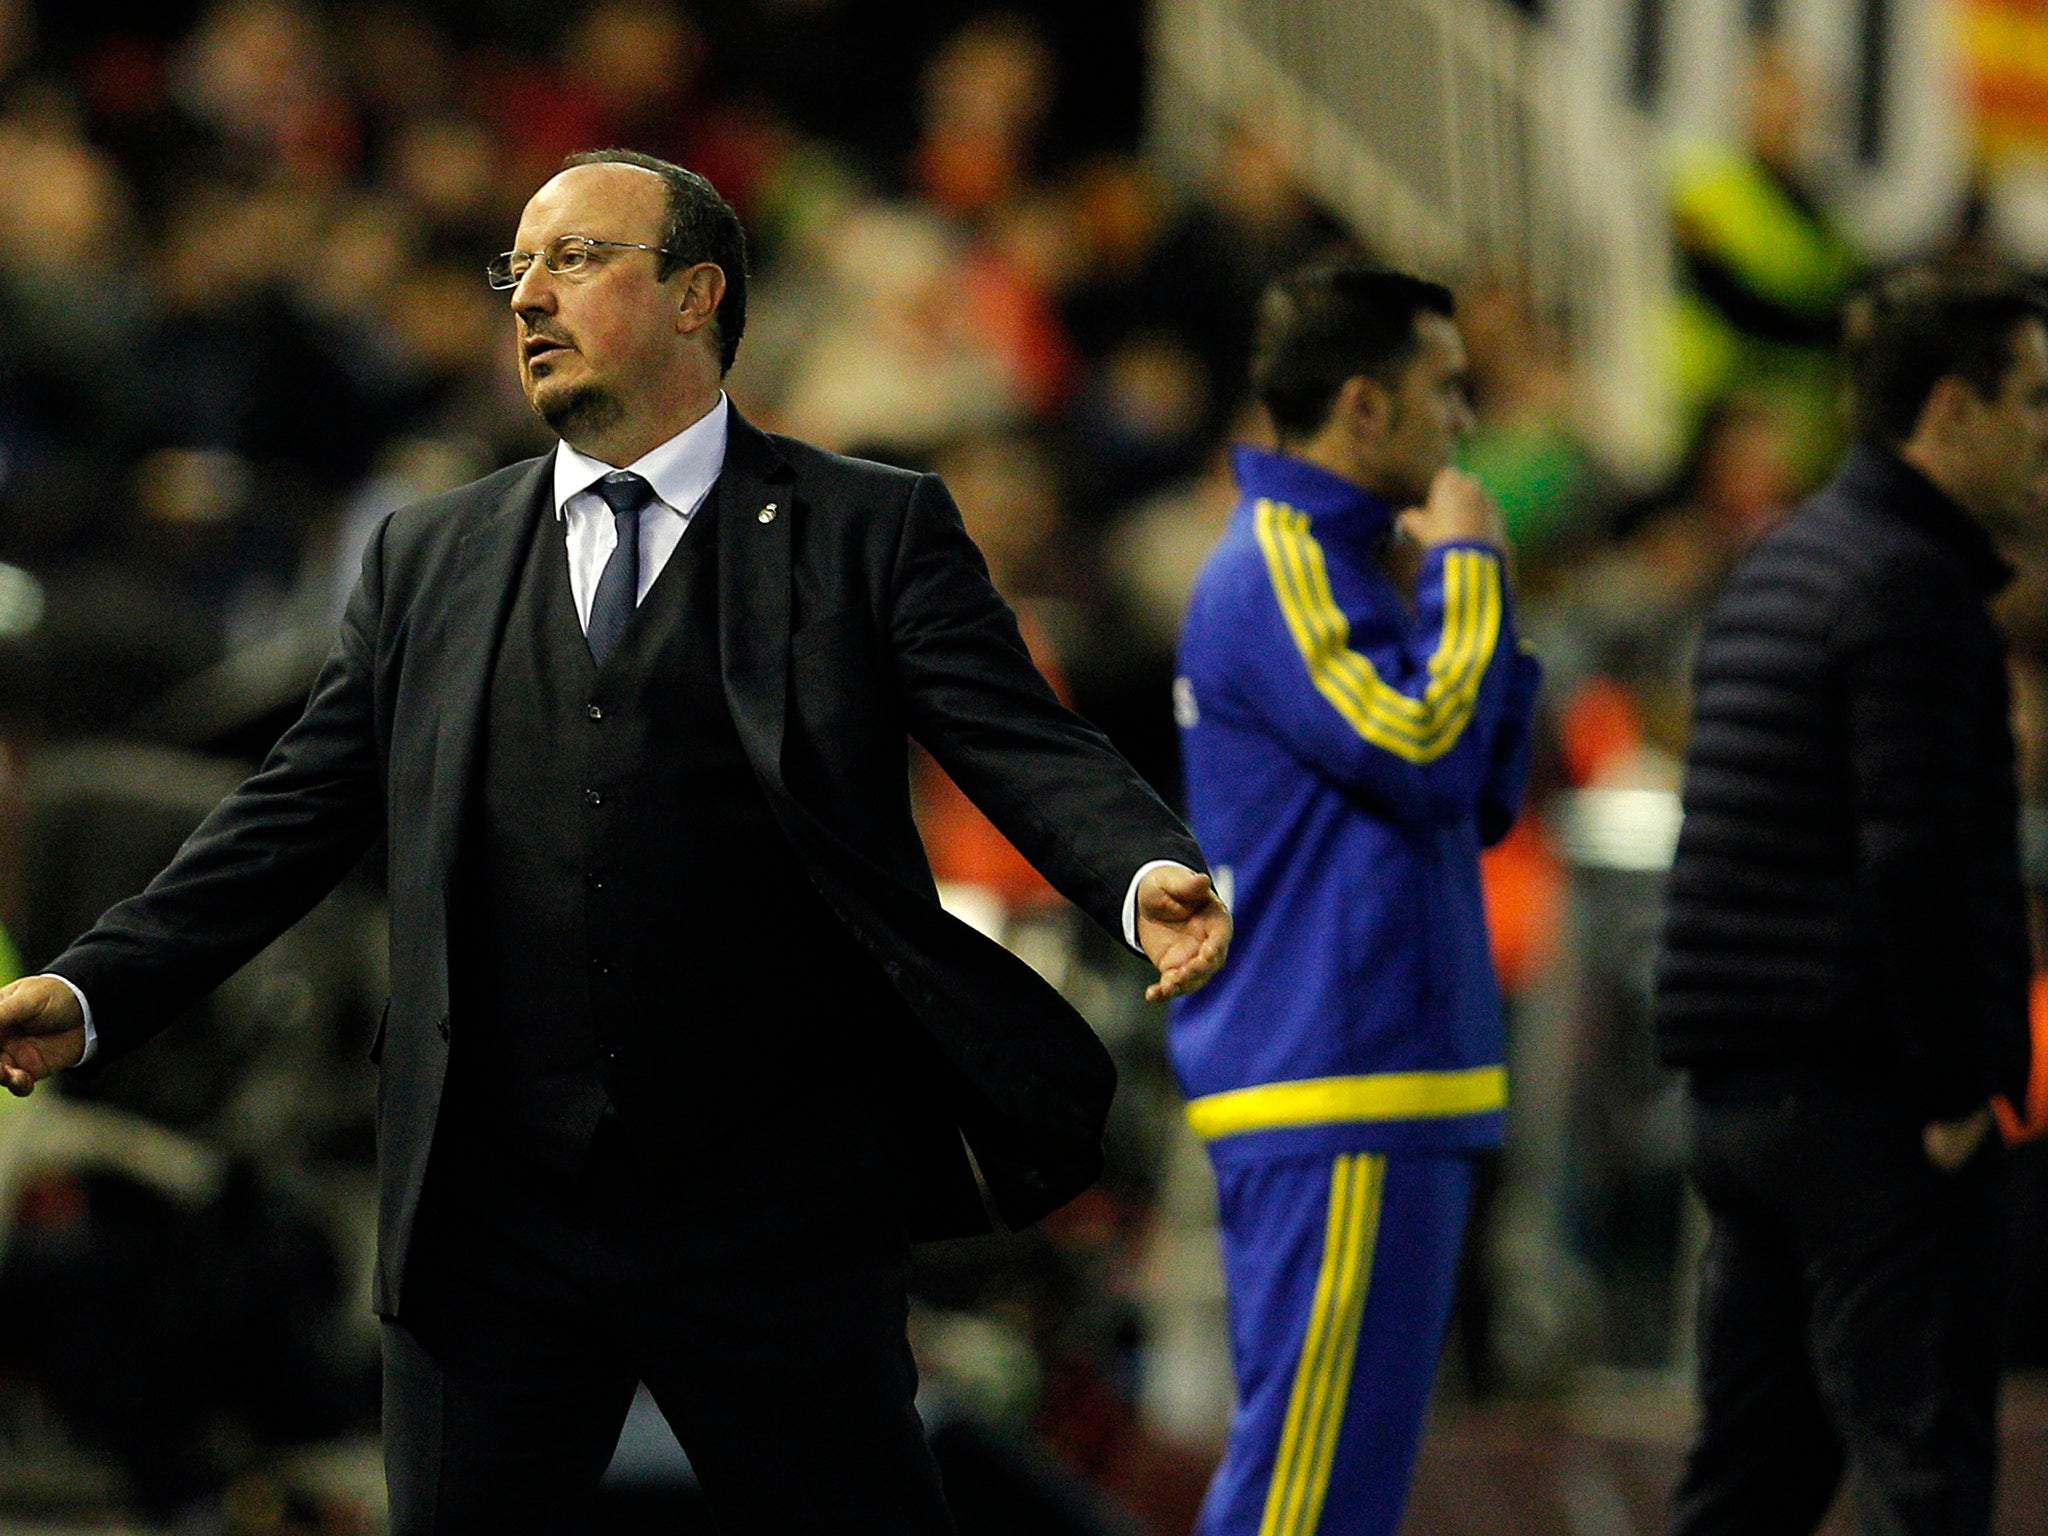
564 256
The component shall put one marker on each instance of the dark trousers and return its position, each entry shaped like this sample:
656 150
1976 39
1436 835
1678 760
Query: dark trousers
1849 1314
764 1309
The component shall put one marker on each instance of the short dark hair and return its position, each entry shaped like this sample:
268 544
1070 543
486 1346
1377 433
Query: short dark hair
701 227
1330 321
1908 330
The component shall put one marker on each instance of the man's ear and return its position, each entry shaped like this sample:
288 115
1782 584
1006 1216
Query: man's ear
1949 406
1366 406
703 288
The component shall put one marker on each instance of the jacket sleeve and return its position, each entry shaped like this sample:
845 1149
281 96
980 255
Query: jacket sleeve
1913 707
1051 783
260 860
1409 725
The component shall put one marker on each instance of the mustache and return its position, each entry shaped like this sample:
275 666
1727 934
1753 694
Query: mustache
546 332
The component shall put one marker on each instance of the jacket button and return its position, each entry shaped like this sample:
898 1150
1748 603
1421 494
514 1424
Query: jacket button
595 711
592 797
441 1024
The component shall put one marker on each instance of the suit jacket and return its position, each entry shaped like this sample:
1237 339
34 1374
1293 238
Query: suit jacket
853 608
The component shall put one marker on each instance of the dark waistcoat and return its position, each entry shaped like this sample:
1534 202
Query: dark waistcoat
637 939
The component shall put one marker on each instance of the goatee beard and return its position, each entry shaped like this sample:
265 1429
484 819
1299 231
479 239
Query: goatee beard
583 412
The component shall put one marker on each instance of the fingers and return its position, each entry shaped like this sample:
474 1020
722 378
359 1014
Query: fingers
37 1005
42 1031
18 1003
1178 978
1173 892
43 1006
20 1068
1197 927
1456 509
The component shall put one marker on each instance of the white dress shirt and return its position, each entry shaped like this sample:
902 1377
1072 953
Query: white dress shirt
682 472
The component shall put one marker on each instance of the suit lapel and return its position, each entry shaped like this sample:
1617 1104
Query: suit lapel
479 599
753 603
755 516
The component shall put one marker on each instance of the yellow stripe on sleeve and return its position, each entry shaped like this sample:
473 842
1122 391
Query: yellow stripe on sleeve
1332 1100
1322 1376
1416 729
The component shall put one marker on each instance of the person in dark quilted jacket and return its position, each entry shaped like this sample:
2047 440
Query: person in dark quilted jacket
1845 963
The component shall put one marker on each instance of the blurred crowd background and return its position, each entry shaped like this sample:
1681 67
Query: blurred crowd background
243 315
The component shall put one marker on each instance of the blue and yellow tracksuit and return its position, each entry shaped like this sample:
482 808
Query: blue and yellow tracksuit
1347 755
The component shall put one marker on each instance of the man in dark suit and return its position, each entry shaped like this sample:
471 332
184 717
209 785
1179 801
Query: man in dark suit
681 1050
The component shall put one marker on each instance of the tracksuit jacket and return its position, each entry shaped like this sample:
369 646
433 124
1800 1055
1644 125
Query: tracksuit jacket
1347 755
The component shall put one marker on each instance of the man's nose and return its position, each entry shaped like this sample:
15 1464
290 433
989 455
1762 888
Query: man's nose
533 293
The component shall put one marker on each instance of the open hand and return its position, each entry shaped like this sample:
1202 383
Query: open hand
1183 927
42 1030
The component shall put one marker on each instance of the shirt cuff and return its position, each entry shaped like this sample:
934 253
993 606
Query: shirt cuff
92 1036
1131 899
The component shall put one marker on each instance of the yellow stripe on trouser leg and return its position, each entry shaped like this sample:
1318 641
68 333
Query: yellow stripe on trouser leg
1322 1378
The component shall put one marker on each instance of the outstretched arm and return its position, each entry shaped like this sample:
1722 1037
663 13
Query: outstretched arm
261 859
1049 781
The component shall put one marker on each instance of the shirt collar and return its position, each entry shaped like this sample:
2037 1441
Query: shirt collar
681 470
1326 497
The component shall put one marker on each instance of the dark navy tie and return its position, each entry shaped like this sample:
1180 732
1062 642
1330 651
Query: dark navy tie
618 588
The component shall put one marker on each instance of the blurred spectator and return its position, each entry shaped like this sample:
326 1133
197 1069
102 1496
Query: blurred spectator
838 72
1631 613
637 71
232 1339
71 388
261 74
445 168
1201 278
1526 447
985 94
1144 417
409 469
1765 269
543 108
401 65
899 359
